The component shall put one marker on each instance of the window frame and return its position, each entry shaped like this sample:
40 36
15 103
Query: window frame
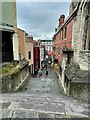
29 55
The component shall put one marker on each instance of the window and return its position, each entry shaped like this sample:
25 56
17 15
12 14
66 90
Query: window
89 44
65 32
20 56
29 55
62 35
86 37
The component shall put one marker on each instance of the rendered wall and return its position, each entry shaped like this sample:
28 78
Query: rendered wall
8 12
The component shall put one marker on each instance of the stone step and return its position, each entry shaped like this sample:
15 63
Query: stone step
39 115
23 95
46 103
34 113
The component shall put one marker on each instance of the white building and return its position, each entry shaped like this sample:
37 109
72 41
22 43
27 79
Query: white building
8 25
47 44
41 57
48 48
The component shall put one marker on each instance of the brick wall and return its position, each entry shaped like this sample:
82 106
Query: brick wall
60 43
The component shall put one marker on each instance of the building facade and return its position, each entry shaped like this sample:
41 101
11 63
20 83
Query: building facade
48 48
8 27
74 52
36 56
80 83
47 44
21 34
62 42
15 35
81 36
63 34
26 47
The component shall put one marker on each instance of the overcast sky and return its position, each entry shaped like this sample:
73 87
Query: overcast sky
39 19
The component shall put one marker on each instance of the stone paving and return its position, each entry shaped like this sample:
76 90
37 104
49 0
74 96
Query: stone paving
42 98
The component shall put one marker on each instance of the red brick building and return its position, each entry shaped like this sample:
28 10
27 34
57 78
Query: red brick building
63 35
62 41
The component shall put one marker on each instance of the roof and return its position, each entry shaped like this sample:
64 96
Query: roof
82 77
20 29
71 70
75 74
34 41
69 18
46 40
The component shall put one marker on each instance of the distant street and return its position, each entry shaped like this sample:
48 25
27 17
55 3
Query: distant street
41 98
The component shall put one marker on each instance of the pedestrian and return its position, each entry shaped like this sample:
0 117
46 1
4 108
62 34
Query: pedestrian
46 72
40 72
46 67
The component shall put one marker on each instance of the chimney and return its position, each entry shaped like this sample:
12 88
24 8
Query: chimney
61 20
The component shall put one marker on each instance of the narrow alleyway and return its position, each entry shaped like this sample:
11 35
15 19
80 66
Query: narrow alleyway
41 98
44 84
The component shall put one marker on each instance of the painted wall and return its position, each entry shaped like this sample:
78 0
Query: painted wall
15 46
8 12
41 54
25 45
21 35
29 47
9 21
0 12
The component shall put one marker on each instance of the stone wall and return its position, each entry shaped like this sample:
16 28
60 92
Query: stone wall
81 56
84 60
80 91
11 83
76 39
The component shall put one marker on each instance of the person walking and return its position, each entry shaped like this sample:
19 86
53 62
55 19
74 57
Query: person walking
46 71
40 72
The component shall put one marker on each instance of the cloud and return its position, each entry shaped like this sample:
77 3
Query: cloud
38 18
42 0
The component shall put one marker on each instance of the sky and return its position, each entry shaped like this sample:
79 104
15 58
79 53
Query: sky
39 19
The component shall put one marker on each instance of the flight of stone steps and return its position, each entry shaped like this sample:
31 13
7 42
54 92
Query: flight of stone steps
24 105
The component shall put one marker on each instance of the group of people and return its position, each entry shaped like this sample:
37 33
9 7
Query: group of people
40 71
